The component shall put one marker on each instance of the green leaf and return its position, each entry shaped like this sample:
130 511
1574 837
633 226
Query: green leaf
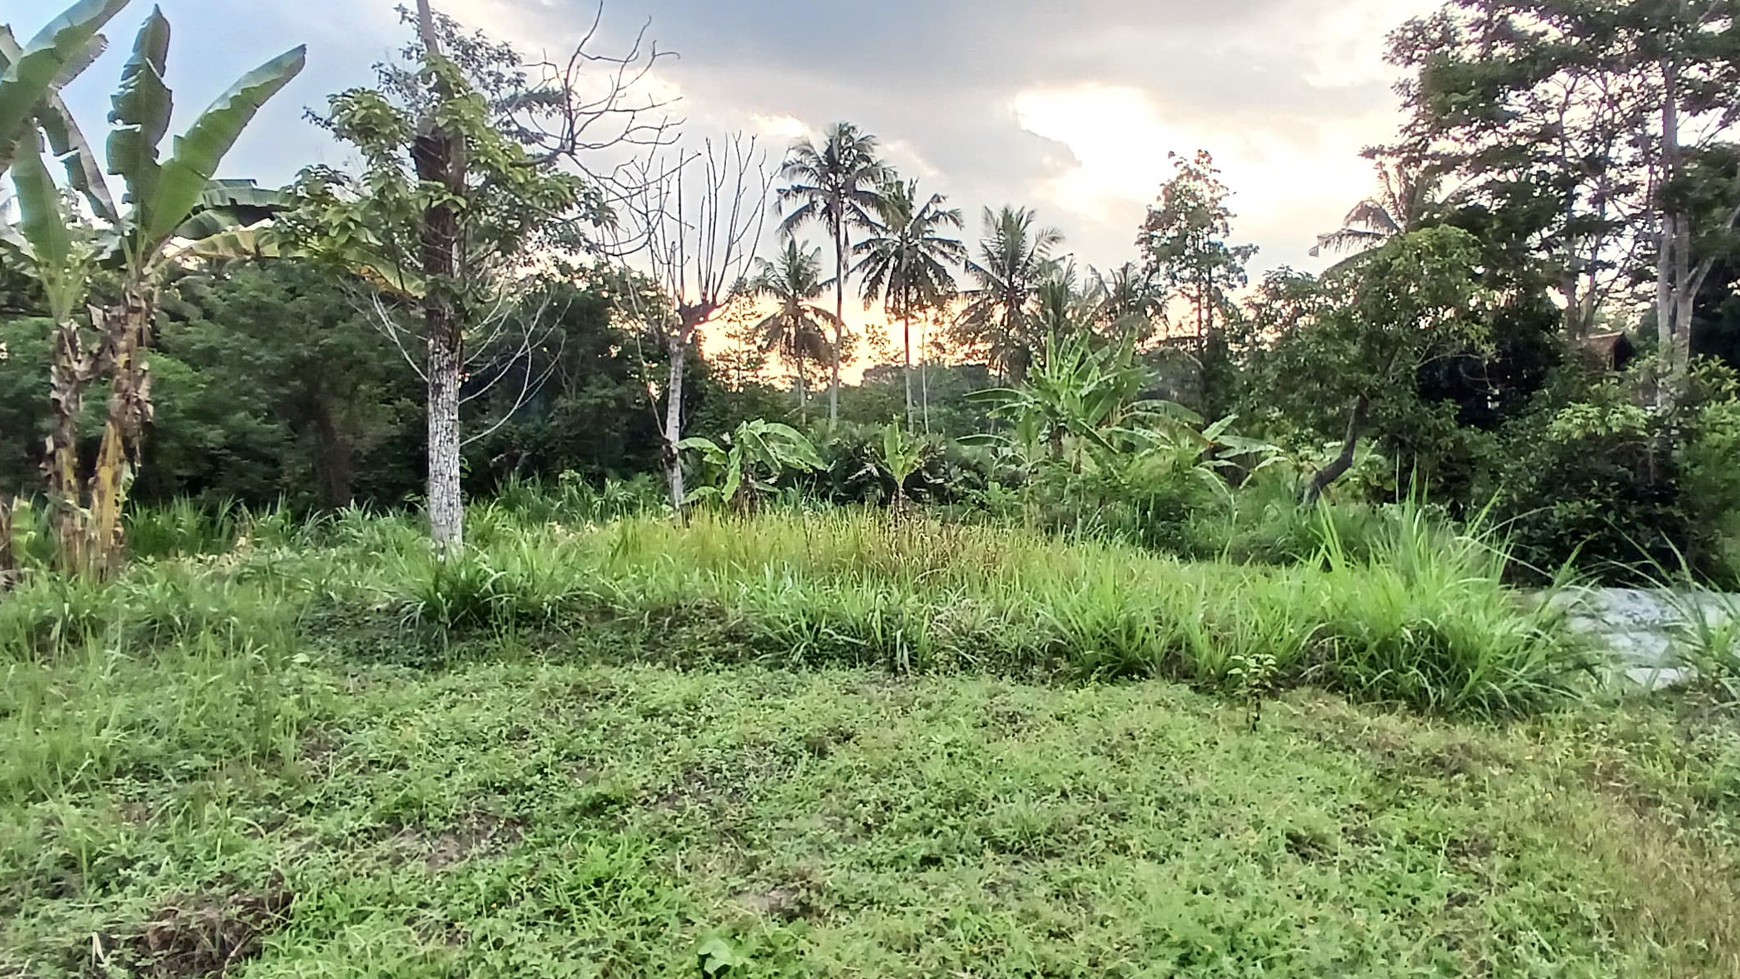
52 57
65 140
733 477
202 148
40 216
83 173
717 957
142 106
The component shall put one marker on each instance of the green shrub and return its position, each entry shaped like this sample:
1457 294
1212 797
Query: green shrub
1622 488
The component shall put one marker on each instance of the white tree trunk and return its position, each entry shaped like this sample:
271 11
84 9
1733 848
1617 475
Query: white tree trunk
678 350
446 505
924 376
839 323
1673 263
906 328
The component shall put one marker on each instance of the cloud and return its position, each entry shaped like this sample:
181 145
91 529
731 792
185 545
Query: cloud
1071 108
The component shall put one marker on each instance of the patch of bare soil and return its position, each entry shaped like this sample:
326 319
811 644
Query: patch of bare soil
203 936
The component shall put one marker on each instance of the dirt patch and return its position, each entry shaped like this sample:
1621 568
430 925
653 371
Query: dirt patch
821 744
797 899
203 936
474 835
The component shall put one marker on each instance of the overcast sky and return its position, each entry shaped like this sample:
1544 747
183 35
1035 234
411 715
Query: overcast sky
1070 108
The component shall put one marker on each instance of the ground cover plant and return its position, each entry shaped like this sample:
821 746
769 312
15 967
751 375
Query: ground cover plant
831 744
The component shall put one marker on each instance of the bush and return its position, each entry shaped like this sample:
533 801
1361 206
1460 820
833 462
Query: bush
1621 488
948 474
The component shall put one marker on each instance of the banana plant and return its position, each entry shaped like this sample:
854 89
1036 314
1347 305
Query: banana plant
898 457
36 72
1075 391
162 194
61 255
750 462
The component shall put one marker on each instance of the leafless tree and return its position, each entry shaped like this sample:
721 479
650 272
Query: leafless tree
694 223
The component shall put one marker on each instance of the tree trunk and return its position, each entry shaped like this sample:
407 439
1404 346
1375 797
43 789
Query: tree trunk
803 392
924 389
8 560
1343 462
839 321
334 459
127 332
439 159
678 350
69 376
906 329
1672 264
446 503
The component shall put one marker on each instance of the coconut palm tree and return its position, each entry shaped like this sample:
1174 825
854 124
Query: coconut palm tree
1126 304
907 260
1014 258
1407 196
1062 308
798 329
835 185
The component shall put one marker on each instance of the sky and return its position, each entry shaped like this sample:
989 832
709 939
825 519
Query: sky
1069 108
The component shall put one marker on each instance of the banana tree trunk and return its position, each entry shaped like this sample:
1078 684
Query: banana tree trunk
127 332
69 377
8 560
677 348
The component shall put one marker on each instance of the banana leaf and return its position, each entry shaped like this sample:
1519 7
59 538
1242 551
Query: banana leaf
59 51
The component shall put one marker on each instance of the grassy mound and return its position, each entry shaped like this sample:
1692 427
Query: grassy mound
584 750
1421 620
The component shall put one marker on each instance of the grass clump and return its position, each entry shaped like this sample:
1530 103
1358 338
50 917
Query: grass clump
1421 621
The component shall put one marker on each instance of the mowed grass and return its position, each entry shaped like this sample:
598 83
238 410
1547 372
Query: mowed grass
537 819
827 745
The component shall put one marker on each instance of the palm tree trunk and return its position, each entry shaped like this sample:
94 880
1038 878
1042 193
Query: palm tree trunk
839 320
924 384
803 392
906 328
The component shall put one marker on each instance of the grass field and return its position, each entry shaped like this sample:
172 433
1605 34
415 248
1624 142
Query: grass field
322 756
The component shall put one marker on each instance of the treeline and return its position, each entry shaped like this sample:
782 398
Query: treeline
1527 323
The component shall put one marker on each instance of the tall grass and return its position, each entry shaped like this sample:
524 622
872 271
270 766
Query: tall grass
1421 619
1415 616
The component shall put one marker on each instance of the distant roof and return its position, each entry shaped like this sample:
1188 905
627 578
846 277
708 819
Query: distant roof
1613 350
1605 342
